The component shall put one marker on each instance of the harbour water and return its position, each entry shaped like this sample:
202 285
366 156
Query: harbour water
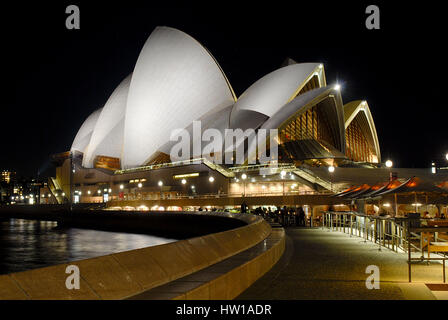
30 244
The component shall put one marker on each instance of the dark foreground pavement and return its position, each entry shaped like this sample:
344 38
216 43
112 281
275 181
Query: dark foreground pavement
319 264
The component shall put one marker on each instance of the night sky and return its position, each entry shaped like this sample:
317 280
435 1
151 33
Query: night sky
57 77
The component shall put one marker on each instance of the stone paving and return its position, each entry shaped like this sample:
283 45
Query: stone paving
321 264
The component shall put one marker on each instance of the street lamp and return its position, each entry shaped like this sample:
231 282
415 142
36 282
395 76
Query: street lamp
331 170
244 177
389 163
160 183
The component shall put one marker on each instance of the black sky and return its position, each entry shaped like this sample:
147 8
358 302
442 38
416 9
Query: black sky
57 77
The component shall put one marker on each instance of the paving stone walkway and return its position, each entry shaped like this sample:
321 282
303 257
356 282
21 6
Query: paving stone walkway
320 264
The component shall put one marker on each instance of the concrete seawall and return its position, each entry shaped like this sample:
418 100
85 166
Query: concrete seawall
126 274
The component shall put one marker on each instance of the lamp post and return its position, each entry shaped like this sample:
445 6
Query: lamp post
331 170
244 177
389 165
160 183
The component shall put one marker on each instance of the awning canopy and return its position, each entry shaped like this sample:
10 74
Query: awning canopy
413 186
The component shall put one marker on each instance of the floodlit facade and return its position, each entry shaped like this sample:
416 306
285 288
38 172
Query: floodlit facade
177 82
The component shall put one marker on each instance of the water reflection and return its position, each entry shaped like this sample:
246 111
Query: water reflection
26 244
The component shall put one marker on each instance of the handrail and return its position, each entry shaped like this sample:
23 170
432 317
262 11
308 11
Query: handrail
389 232
176 164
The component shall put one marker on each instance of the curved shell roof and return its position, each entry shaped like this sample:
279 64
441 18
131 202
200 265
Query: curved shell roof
82 138
270 93
175 82
107 137
351 110
304 101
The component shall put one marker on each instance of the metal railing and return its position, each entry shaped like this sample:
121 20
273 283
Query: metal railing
392 233
132 196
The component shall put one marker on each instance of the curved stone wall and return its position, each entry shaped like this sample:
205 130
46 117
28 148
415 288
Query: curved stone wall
125 274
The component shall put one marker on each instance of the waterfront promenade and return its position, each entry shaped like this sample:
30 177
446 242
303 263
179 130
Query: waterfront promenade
322 264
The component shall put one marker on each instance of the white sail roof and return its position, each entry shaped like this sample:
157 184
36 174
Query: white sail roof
175 82
107 137
84 134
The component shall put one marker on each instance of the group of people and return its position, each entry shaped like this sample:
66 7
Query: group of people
285 216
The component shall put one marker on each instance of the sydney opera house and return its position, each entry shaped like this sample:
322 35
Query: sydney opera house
122 150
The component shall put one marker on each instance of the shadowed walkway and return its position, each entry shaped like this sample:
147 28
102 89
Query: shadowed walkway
318 264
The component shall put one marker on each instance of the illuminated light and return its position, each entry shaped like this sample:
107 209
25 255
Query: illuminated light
331 169
131 181
184 181
187 175
283 173
433 170
80 193
387 205
105 190
140 185
211 179
192 187
49 195
252 180
121 187
293 186
337 87
63 194
446 156
56 195
416 204
237 180
321 66
389 163
88 191
160 183
110 190
263 187
142 180
244 176
31 195
99 191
